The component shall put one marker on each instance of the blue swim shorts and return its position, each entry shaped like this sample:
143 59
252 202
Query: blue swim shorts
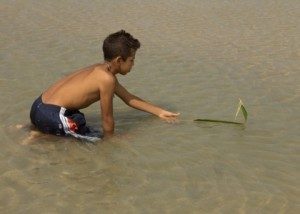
57 120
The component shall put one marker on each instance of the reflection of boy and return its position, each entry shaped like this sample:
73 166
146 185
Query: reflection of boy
56 110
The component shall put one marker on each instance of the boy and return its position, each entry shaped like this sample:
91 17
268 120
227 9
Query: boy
56 111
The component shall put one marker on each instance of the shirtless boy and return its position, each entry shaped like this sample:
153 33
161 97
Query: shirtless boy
56 111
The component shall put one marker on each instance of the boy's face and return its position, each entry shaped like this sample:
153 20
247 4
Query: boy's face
126 65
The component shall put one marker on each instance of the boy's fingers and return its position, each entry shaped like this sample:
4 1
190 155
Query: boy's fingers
173 115
171 119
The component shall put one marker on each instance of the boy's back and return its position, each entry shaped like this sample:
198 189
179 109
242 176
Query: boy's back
79 89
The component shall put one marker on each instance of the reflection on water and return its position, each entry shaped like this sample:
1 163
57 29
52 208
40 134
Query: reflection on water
197 58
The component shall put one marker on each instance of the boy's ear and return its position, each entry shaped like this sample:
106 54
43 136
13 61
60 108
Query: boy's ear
119 59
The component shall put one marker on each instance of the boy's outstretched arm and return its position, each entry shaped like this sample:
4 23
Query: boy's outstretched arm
136 102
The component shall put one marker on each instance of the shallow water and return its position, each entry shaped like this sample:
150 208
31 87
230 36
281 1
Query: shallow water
198 58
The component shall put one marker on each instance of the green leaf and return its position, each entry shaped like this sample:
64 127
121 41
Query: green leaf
242 107
245 113
217 121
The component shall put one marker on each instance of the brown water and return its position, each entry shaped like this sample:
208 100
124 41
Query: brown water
198 58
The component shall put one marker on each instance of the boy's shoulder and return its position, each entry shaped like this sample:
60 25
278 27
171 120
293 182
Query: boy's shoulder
101 74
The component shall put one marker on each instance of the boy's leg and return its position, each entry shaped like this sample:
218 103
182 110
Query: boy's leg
32 137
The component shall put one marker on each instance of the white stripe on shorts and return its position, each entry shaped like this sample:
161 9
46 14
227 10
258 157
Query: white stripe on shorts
68 131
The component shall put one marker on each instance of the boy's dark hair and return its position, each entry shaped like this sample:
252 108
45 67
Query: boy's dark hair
121 44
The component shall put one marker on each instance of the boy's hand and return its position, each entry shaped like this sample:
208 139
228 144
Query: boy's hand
170 117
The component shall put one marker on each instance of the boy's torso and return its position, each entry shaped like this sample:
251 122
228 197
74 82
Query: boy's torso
77 90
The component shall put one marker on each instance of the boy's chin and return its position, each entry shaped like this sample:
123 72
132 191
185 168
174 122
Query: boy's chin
124 72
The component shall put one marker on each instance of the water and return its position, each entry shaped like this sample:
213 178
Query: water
198 58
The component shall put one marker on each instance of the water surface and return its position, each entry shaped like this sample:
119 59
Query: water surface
197 58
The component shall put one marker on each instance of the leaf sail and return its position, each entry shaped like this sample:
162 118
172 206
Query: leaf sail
240 107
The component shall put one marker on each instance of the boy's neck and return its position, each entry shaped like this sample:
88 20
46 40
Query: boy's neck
108 66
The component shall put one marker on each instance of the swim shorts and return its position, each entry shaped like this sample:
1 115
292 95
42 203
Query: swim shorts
57 120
